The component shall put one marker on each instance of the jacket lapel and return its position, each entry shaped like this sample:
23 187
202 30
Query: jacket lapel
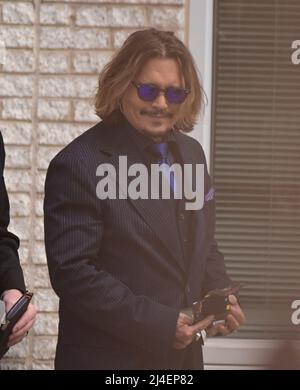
153 211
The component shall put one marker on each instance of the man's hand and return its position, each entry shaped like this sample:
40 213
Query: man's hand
22 327
234 320
186 332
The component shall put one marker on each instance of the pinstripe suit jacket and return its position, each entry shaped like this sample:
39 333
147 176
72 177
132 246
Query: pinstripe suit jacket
116 265
11 275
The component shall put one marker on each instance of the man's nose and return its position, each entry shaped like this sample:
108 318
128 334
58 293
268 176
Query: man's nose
160 101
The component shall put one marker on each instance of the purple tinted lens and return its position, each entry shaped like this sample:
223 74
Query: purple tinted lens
148 92
175 95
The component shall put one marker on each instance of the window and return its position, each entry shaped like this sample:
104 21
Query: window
255 158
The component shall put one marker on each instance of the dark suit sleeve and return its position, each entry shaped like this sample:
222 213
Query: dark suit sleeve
11 275
215 273
74 230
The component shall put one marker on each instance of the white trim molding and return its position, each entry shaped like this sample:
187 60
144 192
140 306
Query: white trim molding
227 353
200 41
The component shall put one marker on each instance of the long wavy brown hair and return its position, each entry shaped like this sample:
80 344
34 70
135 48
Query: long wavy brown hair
128 61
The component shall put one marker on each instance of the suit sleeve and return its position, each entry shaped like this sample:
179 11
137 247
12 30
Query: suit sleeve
215 273
74 229
11 275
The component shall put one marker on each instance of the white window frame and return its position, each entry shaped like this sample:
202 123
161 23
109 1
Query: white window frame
219 353
200 24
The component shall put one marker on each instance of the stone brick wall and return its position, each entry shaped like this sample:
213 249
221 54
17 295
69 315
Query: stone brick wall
53 53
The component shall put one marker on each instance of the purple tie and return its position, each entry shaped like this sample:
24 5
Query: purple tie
161 151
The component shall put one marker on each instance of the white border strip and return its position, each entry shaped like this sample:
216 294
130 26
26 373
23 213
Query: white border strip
200 41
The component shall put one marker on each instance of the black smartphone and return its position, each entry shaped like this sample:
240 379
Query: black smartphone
215 302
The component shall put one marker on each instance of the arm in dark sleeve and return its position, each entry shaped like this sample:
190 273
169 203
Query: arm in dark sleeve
74 228
11 275
215 273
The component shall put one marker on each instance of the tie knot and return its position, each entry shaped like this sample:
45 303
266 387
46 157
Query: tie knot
160 150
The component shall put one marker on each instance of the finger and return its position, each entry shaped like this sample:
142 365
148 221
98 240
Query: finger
15 341
28 316
236 310
10 297
212 331
232 323
223 330
232 299
203 324
187 333
22 332
238 314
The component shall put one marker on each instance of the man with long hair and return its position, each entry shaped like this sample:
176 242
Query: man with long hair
126 267
12 284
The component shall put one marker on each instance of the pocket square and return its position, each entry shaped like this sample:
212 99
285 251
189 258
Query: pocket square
210 195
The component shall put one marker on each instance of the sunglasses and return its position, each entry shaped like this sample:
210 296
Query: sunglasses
149 92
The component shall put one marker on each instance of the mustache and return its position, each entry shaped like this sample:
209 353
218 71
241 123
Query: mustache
158 113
